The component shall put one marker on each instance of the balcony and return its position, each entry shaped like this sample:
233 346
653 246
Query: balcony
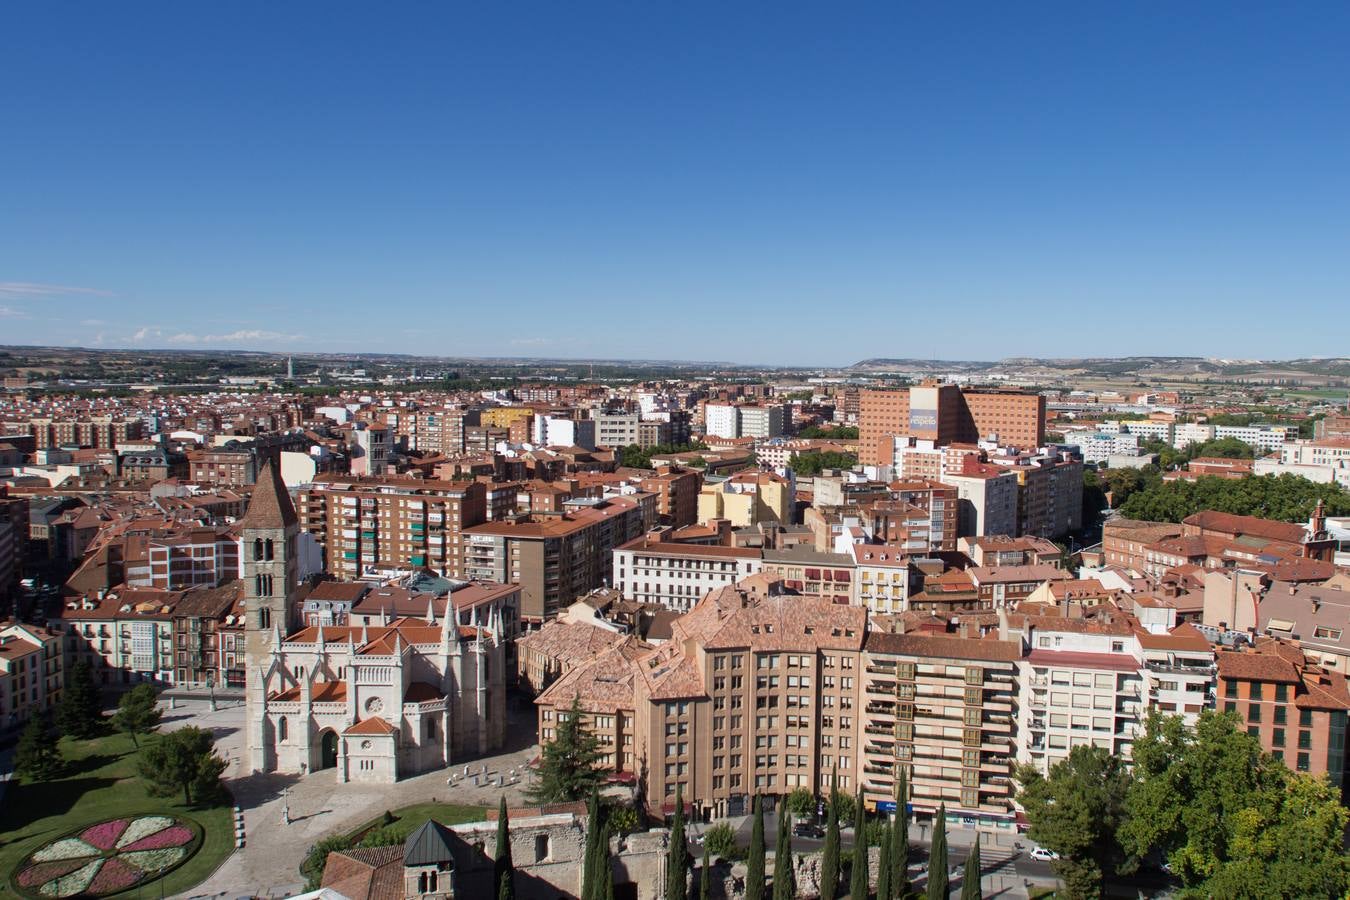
878 709
1204 671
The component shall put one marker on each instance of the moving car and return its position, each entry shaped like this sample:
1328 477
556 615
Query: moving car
1044 854
808 830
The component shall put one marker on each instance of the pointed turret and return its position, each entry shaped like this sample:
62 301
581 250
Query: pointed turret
365 634
431 610
449 633
270 506
276 639
320 642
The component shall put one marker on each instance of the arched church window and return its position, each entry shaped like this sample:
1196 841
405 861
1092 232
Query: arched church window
264 618
257 549
282 729
267 550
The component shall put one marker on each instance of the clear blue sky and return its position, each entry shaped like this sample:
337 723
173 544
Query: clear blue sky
776 182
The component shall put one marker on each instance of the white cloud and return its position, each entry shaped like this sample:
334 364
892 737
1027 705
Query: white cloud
532 342
35 289
9 312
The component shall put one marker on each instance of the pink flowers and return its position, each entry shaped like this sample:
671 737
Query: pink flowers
104 835
114 876
107 857
173 836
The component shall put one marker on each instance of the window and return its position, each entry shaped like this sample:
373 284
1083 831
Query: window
282 729
1282 693
1254 692
1253 712
1304 740
1277 737
1305 718
540 848
1331 634
264 618
1230 689
1280 715
1302 762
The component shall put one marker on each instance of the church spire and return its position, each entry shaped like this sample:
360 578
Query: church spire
431 610
271 505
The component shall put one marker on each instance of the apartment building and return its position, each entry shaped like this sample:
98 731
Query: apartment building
882 582
747 499
126 636
1326 460
32 672
1125 542
762 421
677 494
437 429
987 499
9 560
758 692
616 429
676 575
555 558
1266 438
561 431
233 467
939 501
365 524
941 708
98 432
1049 496
1003 550
1082 683
1296 709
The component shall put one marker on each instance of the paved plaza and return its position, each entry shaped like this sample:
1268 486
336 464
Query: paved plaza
268 866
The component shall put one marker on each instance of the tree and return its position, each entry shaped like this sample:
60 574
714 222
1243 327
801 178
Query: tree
137 712
720 840
677 864
783 886
970 878
937 857
858 881
80 712
1076 812
182 760
802 803
503 868
590 862
885 889
900 839
705 875
569 766
813 462
843 806
754 877
1231 819
1285 498
38 756
829 861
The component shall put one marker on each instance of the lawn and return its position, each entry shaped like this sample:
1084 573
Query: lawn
410 818
101 783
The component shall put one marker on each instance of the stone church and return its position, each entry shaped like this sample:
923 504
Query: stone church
376 702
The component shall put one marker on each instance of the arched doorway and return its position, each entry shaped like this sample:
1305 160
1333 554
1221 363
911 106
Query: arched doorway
328 749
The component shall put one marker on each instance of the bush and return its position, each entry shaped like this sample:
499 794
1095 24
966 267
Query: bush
317 858
720 840
620 817
844 807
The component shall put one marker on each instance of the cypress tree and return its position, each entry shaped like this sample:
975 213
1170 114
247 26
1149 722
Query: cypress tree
884 891
705 877
900 839
783 888
754 878
937 858
970 878
858 881
829 861
504 870
677 865
605 870
590 861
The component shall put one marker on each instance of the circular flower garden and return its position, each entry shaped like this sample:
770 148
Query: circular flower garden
109 857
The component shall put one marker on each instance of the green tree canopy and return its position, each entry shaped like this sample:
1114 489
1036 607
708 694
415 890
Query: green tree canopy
813 462
802 803
569 765
137 712
1232 820
1076 812
1285 498
183 760
38 756
837 433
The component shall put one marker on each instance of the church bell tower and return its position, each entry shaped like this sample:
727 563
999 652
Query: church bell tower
268 531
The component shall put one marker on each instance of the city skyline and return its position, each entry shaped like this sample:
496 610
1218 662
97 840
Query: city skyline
622 183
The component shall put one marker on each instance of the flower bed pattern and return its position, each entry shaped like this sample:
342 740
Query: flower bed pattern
107 857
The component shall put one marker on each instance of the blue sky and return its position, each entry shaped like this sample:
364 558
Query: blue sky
777 183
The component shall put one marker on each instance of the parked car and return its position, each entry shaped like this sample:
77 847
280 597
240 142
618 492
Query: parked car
1042 853
808 830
